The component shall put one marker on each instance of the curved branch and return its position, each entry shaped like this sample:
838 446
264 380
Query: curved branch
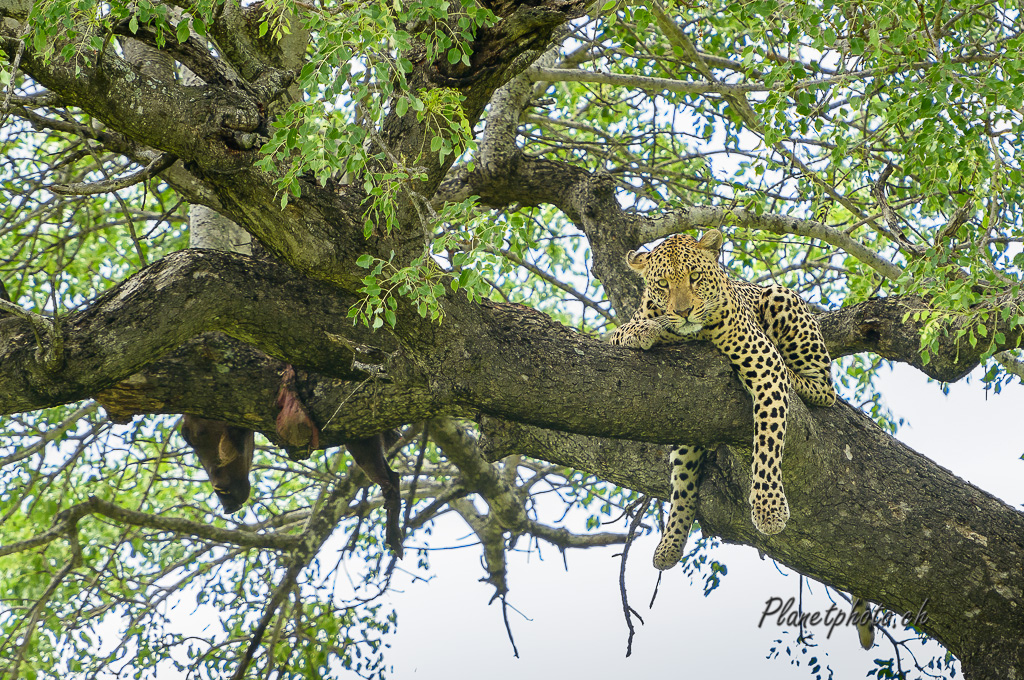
507 504
707 217
66 521
158 165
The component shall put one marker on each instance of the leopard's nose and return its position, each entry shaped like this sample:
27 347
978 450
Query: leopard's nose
685 313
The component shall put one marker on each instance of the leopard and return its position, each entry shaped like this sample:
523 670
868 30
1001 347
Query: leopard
769 336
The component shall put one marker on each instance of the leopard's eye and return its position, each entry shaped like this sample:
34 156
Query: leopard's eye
694 276
661 283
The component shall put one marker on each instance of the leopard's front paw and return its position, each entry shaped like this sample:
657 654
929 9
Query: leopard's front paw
636 335
769 515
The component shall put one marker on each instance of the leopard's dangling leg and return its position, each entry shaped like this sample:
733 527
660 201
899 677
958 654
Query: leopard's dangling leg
769 510
685 461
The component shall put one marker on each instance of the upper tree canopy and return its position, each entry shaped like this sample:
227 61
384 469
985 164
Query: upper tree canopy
440 196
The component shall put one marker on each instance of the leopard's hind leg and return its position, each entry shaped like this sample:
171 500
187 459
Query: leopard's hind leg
685 461
792 329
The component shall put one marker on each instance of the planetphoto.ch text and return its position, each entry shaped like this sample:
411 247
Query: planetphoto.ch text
786 613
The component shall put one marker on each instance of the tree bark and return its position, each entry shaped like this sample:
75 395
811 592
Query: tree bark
868 514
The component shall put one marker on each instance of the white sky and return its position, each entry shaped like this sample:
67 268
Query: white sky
446 631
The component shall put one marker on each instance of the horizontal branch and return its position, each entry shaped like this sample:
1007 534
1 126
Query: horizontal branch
645 83
158 165
653 84
527 366
65 524
708 217
168 303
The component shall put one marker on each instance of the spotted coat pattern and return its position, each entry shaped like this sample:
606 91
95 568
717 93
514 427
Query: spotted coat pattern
769 337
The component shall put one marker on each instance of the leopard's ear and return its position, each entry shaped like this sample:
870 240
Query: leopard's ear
637 261
711 240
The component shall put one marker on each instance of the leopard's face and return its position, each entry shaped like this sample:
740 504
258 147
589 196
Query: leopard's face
683 280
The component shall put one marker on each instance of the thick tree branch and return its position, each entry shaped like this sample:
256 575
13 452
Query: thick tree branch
150 110
841 474
184 294
530 368
216 130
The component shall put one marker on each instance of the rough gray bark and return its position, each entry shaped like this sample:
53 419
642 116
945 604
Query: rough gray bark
852 486
869 515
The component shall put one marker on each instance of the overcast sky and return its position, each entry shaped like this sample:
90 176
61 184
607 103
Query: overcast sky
576 626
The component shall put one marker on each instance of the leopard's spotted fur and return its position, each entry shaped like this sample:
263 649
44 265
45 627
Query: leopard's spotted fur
769 337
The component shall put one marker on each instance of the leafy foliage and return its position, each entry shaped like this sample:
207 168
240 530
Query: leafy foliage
810 108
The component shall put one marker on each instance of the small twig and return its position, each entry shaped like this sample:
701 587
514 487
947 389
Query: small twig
661 530
415 478
654 595
508 628
361 509
553 281
350 395
628 611
155 167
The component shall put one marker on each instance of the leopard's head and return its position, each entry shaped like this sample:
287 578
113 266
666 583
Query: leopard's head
683 280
